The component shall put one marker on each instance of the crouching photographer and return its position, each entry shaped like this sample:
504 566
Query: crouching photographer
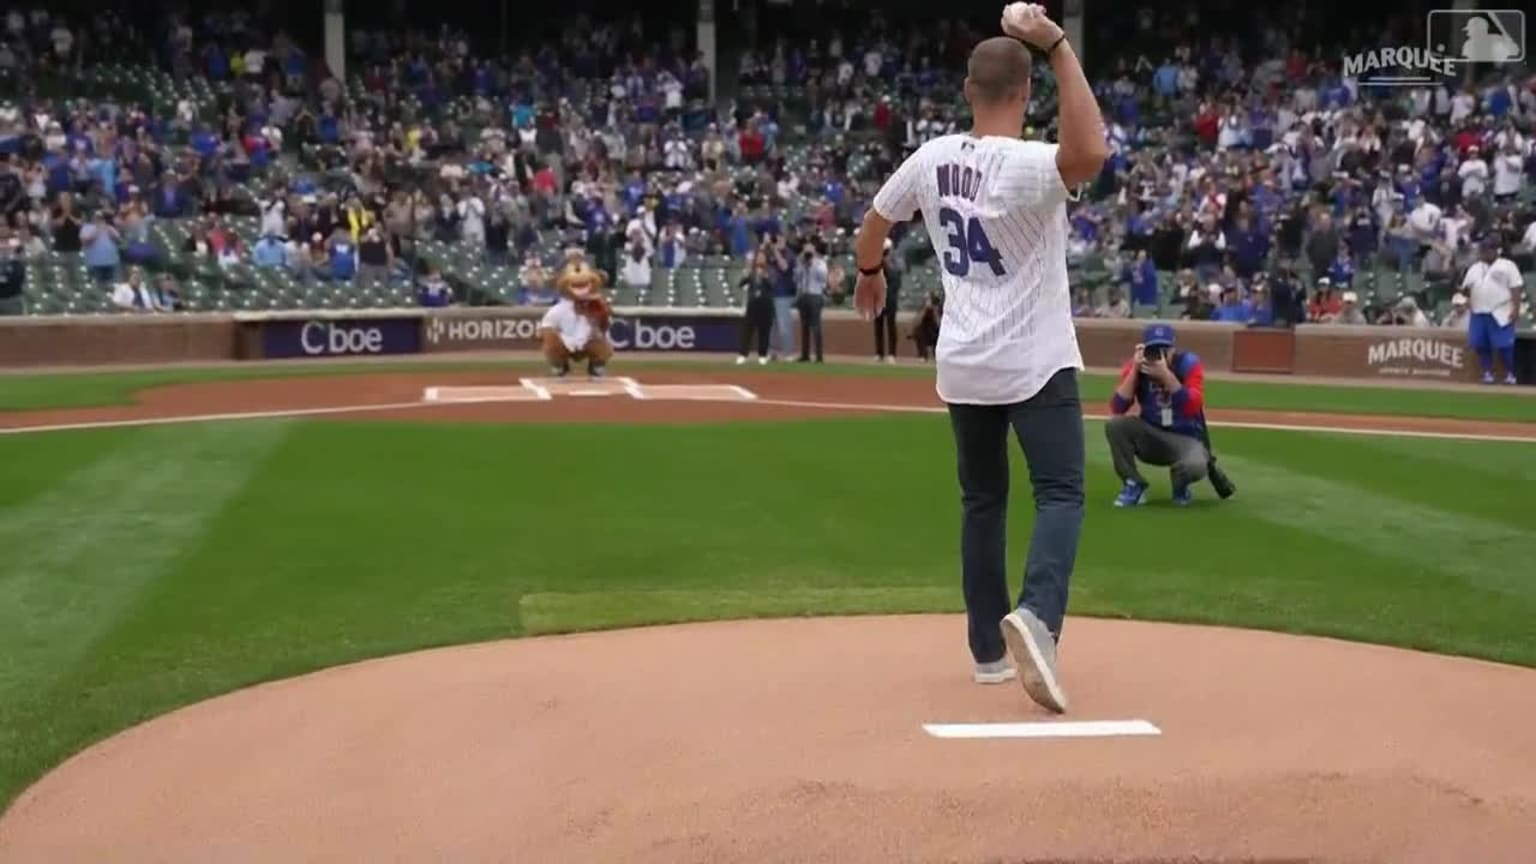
1167 387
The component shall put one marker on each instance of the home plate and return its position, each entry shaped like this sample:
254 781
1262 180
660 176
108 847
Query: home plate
1044 729
703 392
484 394
580 385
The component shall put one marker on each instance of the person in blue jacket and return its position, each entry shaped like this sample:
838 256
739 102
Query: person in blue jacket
1166 389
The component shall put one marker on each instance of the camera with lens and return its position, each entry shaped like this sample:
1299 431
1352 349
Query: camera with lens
1219 480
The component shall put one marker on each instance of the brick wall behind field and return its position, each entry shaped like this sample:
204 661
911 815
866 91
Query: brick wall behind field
1324 351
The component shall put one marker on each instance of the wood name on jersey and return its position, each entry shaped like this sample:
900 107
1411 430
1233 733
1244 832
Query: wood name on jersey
959 181
968 242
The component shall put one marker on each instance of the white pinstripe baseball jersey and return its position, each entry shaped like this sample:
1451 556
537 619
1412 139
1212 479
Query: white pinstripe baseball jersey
996 213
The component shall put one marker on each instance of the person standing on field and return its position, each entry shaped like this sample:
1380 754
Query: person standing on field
757 320
1494 285
885 321
811 299
1007 355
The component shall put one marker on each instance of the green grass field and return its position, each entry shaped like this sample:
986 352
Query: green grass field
147 568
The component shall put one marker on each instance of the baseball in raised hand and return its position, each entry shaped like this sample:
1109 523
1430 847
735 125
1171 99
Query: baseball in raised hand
1028 23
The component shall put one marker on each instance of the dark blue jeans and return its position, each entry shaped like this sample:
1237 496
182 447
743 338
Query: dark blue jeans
1049 426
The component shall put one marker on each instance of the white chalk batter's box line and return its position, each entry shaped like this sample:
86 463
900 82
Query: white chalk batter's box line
546 389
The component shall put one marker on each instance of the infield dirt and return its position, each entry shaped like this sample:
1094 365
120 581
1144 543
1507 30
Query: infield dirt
802 740
783 396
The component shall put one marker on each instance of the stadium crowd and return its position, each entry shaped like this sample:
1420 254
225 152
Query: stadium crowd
1249 181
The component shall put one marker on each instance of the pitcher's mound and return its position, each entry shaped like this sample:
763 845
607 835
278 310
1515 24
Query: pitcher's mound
804 740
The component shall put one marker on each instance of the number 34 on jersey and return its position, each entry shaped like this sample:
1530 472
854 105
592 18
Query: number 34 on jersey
966 241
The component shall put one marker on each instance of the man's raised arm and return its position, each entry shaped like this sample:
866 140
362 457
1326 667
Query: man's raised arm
1082 143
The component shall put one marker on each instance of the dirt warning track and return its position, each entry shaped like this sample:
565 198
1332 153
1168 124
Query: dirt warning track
696 397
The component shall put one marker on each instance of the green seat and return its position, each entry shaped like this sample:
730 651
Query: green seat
1414 284
1386 295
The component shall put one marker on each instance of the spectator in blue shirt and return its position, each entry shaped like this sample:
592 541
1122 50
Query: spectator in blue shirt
104 167
343 255
98 241
329 128
204 142
1261 310
1362 232
1334 95
783 270
1499 100
769 224
634 190
740 234
215 63
58 174
1249 247
170 202
1342 271
435 291
1233 309
1141 276
270 252
140 249
670 249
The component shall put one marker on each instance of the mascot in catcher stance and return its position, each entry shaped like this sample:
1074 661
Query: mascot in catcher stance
576 327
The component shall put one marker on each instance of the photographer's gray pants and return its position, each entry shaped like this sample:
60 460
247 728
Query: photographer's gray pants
1132 438
1049 426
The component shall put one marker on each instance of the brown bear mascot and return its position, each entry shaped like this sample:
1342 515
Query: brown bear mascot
576 327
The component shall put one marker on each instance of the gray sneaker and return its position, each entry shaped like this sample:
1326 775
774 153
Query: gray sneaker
996 672
1034 651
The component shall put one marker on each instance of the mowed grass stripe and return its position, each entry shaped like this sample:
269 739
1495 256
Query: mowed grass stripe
77 556
1389 524
1497 467
1479 479
1478 552
556 612
31 468
1282 559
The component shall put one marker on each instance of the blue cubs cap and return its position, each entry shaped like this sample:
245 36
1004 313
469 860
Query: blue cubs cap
1156 335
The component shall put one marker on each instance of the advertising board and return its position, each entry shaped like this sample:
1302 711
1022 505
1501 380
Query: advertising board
341 337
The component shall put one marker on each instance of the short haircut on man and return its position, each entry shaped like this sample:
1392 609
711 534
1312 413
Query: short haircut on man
997 67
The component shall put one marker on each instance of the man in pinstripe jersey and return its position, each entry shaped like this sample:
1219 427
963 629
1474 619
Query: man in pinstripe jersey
1007 358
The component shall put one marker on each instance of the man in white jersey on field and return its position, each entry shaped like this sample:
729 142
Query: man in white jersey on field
995 208
1494 285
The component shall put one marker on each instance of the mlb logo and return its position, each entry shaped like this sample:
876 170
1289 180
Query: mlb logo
1477 35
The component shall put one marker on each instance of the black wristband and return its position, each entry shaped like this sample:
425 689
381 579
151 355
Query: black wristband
878 268
1052 50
